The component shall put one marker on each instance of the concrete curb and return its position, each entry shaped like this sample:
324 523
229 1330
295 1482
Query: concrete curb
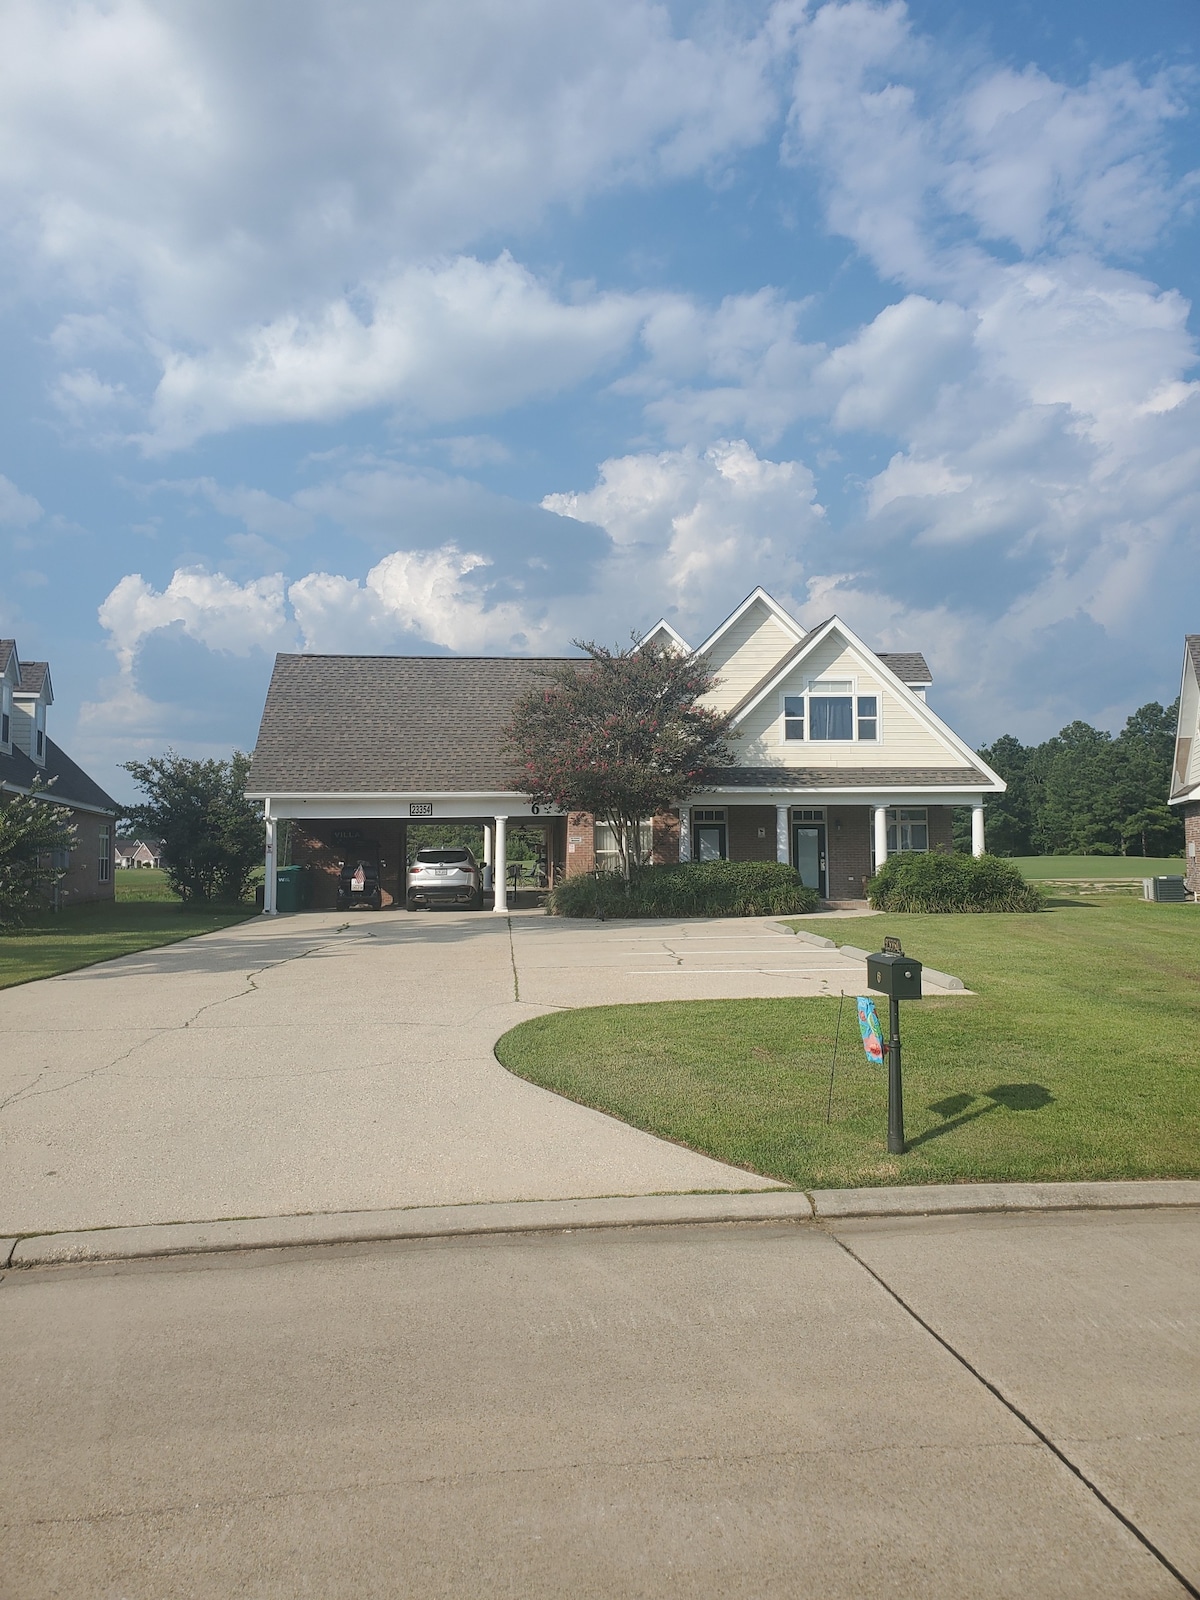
944 980
964 1199
562 1216
423 1222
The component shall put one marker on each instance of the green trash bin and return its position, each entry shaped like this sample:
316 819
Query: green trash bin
293 889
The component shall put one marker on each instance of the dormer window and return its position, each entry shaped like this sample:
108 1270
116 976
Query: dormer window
41 744
5 728
830 710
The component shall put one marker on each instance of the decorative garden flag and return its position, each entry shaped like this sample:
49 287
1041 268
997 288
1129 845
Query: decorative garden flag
869 1027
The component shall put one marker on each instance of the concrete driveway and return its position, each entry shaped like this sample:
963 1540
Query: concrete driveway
953 1408
326 1063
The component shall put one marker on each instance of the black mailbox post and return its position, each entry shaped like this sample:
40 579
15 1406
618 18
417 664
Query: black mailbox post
898 976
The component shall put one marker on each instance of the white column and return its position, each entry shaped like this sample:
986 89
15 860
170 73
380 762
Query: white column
977 845
685 833
500 865
783 845
487 855
269 907
881 852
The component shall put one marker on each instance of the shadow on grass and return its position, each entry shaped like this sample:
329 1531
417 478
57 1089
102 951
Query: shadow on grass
1006 1096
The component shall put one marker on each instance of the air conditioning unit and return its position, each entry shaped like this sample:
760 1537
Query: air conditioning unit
1164 889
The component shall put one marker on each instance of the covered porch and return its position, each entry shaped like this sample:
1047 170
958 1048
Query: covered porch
836 846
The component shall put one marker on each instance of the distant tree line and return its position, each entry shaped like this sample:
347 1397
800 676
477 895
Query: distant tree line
1087 792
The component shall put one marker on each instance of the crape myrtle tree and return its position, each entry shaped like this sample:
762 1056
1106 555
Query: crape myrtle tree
621 735
33 832
212 836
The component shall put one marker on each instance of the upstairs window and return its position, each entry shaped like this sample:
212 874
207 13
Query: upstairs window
41 743
5 734
830 710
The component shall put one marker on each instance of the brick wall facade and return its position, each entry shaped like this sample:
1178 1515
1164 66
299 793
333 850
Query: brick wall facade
82 881
750 833
941 829
1191 846
666 838
847 851
581 844
313 845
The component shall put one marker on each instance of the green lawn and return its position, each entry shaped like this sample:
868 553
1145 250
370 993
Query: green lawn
145 914
1100 867
1076 1058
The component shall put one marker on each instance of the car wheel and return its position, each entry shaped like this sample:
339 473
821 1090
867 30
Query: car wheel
476 902
377 903
410 904
343 905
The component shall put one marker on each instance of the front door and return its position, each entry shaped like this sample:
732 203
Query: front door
808 854
708 841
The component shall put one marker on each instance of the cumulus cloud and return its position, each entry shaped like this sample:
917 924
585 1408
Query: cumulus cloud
460 339
210 608
17 510
223 163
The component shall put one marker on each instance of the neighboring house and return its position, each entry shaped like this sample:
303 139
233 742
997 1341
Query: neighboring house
28 755
1185 773
840 760
137 853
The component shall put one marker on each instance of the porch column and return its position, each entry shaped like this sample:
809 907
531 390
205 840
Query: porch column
783 845
685 833
269 906
881 852
977 844
487 855
500 865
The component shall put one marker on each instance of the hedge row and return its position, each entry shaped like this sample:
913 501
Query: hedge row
934 882
689 889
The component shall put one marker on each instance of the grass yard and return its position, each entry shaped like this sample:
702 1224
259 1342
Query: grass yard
145 914
1076 1058
1039 868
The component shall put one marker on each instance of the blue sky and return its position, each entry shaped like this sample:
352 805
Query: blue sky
481 328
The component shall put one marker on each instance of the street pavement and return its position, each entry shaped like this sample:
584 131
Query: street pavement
998 1405
327 1062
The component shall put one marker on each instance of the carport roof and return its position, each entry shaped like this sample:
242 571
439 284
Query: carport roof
390 724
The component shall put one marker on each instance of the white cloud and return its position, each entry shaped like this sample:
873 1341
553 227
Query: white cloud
461 339
17 510
693 531
221 163
211 608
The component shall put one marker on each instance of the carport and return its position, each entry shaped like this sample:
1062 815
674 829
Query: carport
354 750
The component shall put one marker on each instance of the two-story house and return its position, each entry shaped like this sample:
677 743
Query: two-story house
840 759
29 758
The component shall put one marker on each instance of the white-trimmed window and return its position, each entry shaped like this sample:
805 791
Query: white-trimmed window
608 857
907 829
808 813
104 853
831 710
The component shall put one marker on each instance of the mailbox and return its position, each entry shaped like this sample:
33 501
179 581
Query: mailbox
896 975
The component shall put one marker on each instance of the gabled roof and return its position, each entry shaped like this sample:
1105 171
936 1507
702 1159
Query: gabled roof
8 656
954 745
663 626
71 787
391 724
788 623
1187 729
909 666
35 681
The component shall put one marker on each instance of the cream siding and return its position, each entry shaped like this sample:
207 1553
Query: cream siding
1185 771
744 654
905 739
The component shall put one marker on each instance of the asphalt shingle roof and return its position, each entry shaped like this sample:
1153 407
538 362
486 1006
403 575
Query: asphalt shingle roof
7 650
846 778
390 724
33 676
73 786
909 666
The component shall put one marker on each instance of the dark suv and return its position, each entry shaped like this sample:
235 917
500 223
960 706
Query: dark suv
444 875
359 883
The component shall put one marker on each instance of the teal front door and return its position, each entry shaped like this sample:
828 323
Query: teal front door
808 854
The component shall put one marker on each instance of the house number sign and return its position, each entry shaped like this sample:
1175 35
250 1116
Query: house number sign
420 808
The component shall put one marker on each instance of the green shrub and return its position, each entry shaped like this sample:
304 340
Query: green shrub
913 881
689 889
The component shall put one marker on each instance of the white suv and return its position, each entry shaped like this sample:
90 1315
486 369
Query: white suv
444 875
